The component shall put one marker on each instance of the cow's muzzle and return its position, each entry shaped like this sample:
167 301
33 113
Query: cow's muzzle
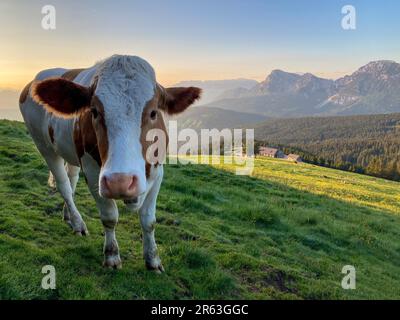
119 186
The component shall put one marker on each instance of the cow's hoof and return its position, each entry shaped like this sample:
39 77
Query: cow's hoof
155 265
81 233
80 230
112 262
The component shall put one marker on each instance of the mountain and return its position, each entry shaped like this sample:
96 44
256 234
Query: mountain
210 118
372 89
280 82
212 89
283 233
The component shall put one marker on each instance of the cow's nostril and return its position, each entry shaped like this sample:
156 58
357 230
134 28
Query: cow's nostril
133 183
105 183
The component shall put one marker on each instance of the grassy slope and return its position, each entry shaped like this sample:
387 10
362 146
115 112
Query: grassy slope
284 233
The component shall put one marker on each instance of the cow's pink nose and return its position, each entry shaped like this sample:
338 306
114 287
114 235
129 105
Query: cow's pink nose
119 186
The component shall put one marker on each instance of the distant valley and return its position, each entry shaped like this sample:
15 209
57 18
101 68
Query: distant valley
365 143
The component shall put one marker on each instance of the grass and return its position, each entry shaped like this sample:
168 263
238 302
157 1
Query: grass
284 233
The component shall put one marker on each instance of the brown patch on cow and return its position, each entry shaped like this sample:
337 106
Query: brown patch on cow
100 128
90 134
72 74
25 92
78 134
148 169
85 137
154 105
51 134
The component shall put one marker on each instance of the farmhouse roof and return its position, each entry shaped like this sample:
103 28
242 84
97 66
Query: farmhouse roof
293 156
267 150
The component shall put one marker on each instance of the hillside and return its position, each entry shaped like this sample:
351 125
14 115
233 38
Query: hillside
284 233
198 118
368 143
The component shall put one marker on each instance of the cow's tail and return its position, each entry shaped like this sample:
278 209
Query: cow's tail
51 181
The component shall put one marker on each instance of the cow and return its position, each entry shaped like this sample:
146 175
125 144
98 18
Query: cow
97 120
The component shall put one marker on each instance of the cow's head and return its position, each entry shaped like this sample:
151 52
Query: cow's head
125 102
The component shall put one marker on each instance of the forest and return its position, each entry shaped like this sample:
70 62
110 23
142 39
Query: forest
368 144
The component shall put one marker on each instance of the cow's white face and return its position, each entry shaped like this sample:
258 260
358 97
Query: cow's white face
125 102
124 86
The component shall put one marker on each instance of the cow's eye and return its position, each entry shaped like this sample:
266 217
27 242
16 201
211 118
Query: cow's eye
94 112
153 115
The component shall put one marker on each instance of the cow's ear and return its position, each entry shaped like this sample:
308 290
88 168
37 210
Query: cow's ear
179 99
62 97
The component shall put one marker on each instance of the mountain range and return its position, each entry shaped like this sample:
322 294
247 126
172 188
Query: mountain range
372 89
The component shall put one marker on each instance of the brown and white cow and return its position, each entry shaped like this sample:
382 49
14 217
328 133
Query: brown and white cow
97 119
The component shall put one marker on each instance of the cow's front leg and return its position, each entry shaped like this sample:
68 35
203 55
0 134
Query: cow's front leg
109 219
108 213
150 252
148 220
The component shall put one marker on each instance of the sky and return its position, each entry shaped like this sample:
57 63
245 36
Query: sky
198 40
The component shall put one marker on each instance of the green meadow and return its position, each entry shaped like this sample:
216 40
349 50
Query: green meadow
284 233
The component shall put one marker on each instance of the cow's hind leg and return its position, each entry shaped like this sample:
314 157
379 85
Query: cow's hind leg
56 166
108 213
73 176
